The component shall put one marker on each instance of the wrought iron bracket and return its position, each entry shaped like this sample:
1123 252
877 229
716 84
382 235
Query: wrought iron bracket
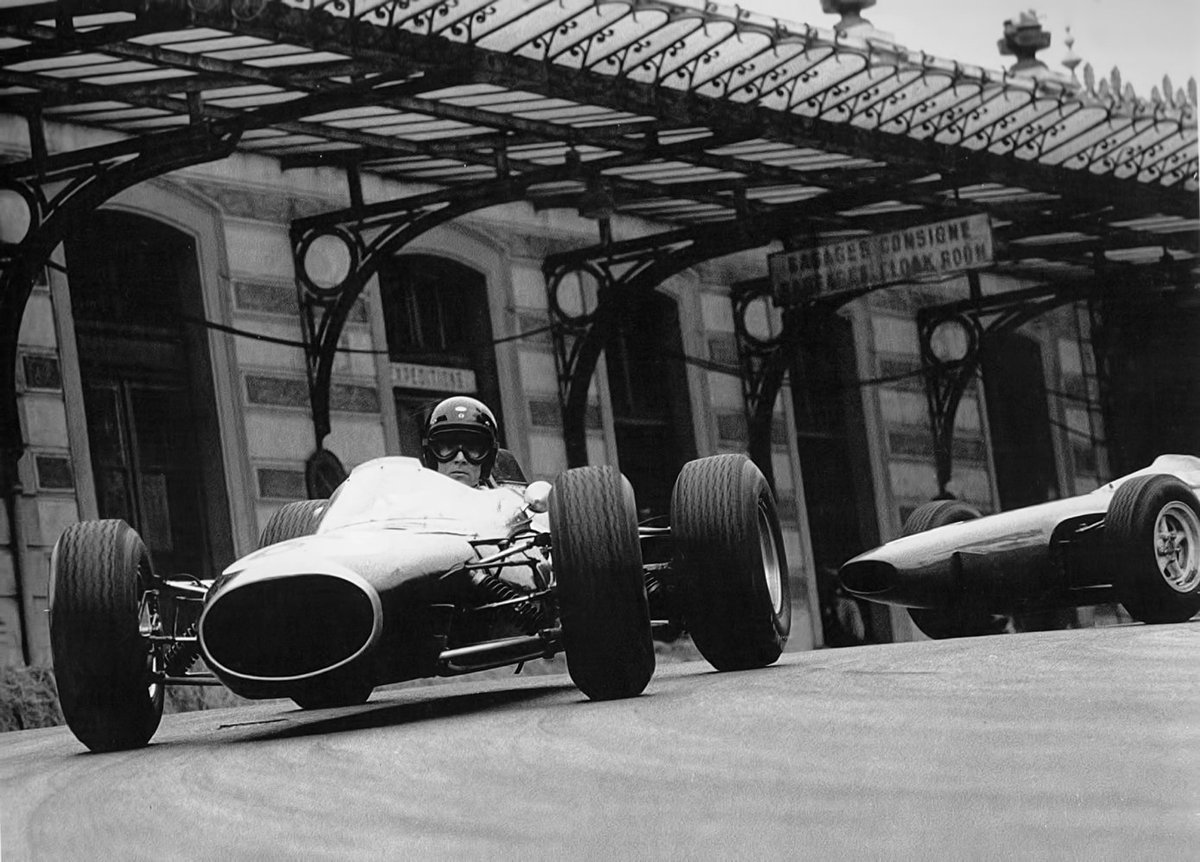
59 193
981 318
947 377
620 272
358 241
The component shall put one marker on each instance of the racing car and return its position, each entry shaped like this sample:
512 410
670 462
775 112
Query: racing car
1135 541
405 573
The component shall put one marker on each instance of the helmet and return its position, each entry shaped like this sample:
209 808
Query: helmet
461 424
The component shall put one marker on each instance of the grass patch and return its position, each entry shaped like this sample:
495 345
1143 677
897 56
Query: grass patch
28 698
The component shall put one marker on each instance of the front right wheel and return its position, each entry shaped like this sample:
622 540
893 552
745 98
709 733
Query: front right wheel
601 584
729 546
102 609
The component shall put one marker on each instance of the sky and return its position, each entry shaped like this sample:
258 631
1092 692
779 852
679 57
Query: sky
1144 38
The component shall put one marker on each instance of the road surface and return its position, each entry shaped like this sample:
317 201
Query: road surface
1076 744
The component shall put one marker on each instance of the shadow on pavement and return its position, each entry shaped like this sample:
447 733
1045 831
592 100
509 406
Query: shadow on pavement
383 710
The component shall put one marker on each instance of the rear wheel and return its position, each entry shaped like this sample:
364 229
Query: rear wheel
100 576
1152 532
966 617
292 520
729 546
601 586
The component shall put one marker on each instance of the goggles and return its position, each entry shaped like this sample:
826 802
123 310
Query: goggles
445 447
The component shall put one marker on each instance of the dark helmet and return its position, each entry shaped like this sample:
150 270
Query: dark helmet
461 423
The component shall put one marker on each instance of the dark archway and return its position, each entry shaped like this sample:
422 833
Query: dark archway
651 407
831 441
148 390
1014 380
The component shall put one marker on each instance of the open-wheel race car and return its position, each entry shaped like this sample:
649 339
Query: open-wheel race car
1135 541
405 573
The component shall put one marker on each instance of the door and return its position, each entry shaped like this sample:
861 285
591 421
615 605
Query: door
142 440
147 389
831 442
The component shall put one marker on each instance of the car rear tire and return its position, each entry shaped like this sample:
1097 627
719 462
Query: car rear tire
1152 534
965 618
601 585
300 518
99 573
729 546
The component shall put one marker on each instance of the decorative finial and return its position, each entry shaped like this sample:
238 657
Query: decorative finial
1071 60
850 10
1023 38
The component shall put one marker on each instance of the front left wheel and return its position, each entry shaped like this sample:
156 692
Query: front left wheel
102 609
601 585
1152 533
729 546
351 690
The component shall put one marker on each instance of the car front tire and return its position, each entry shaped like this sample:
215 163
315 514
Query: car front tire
601 585
1152 533
99 573
728 543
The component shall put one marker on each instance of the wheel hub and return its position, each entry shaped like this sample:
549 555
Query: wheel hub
1177 546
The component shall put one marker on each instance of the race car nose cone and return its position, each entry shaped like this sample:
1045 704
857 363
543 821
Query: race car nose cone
864 576
289 626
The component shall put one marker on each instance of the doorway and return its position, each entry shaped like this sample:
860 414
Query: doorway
838 493
439 336
652 416
1014 380
147 389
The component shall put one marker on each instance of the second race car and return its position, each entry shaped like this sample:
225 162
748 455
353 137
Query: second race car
1135 541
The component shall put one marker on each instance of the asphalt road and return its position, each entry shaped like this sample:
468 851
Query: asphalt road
1078 744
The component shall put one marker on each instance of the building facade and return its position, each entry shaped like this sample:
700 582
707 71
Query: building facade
162 379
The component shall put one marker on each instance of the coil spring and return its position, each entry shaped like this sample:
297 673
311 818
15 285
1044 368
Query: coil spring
178 658
494 589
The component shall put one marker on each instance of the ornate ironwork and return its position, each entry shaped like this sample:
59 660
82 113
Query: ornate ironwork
765 363
946 380
370 235
60 192
981 318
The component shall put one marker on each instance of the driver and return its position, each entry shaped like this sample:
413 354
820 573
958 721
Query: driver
460 440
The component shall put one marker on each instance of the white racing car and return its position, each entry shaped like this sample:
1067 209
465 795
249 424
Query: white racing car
1135 541
406 573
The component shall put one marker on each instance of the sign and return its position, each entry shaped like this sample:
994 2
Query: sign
912 254
436 378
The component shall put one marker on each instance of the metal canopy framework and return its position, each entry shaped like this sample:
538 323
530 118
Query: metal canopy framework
694 117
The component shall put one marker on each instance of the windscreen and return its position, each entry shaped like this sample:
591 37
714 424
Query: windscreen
399 493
